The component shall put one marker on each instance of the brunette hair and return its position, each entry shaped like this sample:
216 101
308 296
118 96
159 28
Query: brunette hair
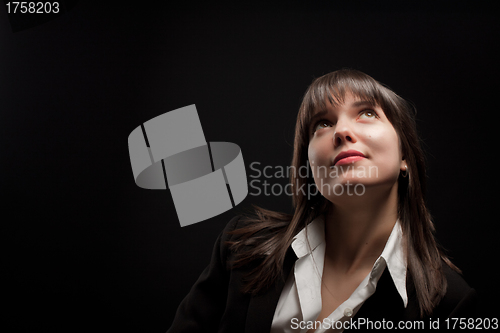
266 236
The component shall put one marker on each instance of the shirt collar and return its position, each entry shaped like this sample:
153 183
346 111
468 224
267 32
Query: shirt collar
392 255
315 232
395 259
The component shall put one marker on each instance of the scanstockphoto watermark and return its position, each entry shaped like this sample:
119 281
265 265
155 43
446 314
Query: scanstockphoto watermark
264 179
363 324
432 324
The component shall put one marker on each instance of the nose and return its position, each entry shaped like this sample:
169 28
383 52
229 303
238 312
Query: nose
343 133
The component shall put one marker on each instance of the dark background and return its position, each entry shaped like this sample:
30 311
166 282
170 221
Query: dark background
85 249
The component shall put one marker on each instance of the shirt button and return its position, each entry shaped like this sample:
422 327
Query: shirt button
348 312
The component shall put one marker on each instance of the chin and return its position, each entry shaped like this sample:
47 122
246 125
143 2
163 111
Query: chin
349 186
345 186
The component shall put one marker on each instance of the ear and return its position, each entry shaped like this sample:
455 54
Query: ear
403 166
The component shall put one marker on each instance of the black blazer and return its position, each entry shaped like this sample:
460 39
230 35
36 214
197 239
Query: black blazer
216 303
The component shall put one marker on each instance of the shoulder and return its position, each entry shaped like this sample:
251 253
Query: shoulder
248 238
227 235
460 300
233 224
233 233
259 224
236 227
457 286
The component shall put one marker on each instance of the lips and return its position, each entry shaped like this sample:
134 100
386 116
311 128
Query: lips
349 156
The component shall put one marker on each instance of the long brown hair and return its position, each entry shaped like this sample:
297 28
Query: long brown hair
267 235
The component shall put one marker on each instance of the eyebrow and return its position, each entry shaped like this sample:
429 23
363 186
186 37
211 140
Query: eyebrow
324 111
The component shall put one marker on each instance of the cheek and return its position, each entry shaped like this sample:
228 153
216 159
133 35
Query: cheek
318 161
318 154
386 148
313 153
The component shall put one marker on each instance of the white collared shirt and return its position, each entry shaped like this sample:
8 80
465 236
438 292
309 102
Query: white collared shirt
300 300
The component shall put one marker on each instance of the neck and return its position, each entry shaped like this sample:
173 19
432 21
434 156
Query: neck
357 229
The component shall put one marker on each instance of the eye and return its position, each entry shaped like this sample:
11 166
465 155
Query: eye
368 114
321 124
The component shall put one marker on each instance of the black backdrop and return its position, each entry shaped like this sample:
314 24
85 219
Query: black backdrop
88 250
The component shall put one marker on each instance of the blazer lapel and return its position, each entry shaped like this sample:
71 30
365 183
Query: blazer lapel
386 303
261 308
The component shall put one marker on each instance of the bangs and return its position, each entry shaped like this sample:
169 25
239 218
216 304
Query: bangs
332 88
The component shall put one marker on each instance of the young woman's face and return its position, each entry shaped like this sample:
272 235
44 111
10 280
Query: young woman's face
353 147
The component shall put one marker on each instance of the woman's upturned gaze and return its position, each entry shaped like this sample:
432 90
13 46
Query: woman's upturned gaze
361 246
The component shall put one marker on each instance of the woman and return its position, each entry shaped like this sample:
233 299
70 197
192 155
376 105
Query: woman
358 252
